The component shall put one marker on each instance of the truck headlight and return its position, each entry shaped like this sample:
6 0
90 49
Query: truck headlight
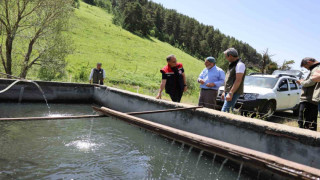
250 96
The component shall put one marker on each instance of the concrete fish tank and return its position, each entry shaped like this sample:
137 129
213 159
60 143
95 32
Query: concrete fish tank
194 143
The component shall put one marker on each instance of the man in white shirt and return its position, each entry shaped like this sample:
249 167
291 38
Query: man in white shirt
234 83
97 75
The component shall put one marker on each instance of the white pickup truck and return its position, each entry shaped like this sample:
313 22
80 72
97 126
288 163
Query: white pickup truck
268 93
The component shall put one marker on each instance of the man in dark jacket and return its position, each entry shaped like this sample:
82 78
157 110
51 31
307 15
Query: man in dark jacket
97 75
173 79
308 112
234 82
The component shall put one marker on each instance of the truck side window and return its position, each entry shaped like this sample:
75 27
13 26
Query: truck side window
283 86
293 85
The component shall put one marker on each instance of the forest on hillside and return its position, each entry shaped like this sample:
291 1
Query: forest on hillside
146 18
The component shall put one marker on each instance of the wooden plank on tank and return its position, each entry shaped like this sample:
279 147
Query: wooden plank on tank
50 118
163 111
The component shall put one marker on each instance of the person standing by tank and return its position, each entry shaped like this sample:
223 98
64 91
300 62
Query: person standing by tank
316 94
210 79
173 79
234 83
97 75
308 109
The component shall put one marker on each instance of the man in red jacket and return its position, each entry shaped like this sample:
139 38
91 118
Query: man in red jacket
173 79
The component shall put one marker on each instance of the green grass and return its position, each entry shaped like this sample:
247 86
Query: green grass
131 62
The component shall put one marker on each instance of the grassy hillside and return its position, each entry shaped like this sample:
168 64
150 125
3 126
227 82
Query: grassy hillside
131 62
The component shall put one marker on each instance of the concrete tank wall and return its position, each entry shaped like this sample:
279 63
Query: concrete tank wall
54 92
298 145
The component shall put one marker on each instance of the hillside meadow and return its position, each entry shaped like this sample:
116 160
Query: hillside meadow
131 62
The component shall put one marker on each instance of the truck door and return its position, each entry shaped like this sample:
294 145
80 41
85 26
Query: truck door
283 95
294 93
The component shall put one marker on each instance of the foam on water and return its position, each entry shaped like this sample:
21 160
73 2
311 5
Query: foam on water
57 115
82 145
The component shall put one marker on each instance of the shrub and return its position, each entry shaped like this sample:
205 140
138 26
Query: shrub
48 73
193 86
152 33
76 4
82 74
105 4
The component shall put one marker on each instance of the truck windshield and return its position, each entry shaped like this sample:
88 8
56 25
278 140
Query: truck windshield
264 82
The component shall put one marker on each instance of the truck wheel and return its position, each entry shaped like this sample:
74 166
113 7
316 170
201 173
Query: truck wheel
268 110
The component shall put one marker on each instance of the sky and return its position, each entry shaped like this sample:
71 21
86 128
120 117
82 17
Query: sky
290 29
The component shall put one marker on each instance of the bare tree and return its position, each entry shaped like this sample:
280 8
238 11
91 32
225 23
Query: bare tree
30 30
266 59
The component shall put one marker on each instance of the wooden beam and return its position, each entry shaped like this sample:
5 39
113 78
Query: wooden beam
252 158
50 118
155 111
162 111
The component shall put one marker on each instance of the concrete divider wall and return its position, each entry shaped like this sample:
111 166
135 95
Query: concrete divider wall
54 92
298 145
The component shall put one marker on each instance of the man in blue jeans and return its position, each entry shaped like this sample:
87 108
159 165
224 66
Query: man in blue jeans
234 83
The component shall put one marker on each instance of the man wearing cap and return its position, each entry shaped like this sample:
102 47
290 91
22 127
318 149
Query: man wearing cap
97 75
234 83
173 79
308 109
210 79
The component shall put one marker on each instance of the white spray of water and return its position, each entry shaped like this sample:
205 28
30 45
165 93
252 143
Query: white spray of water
36 84
240 171
165 160
84 145
44 96
177 162
81 145
212 166
185 161
222 165
195 169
